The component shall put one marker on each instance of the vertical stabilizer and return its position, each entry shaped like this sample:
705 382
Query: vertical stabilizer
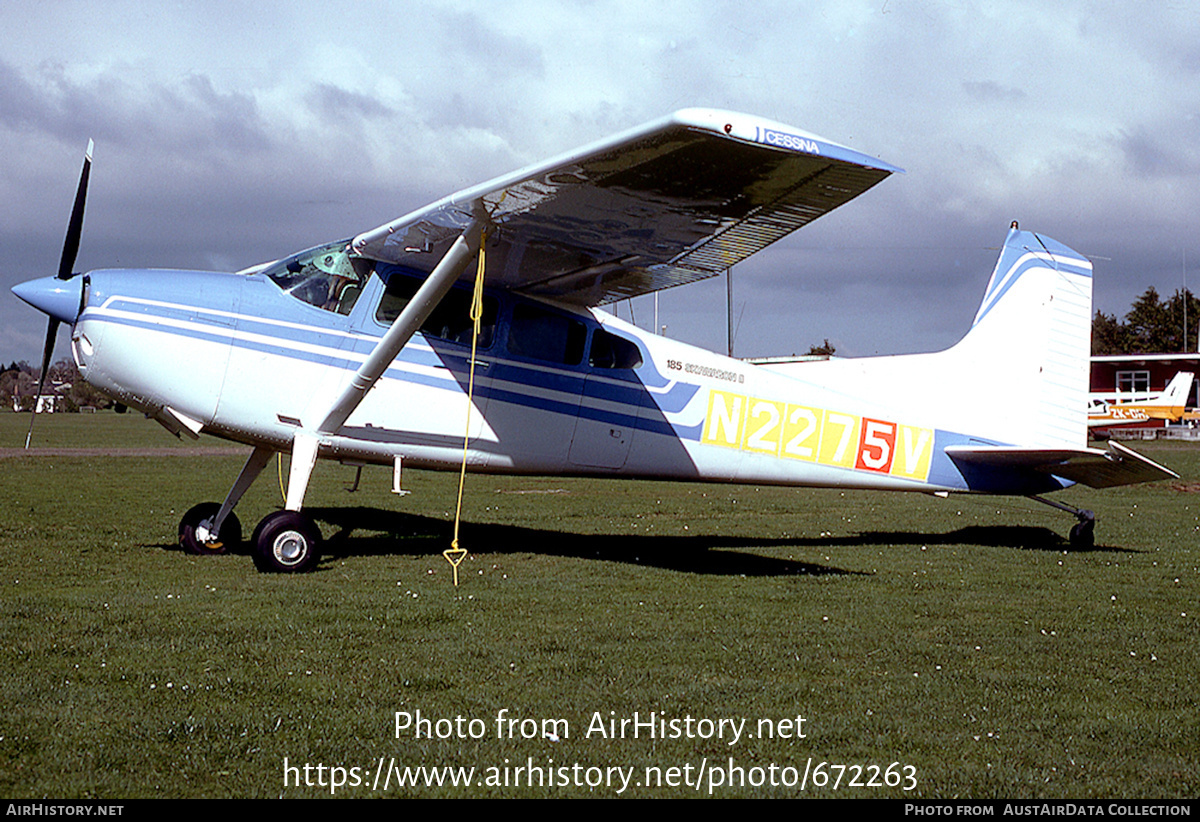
1176 395
1020 375
1032 338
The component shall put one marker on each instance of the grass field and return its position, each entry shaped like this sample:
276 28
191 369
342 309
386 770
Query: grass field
953 636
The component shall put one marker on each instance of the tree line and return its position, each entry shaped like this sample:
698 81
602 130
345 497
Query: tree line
1152 326
18 384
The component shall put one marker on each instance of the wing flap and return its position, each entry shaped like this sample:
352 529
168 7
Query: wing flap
1093 467
675 201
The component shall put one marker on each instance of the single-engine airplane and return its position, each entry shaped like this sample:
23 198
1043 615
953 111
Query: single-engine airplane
1112 409
361 350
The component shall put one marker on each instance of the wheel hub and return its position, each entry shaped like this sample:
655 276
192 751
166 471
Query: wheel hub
204 533
290 547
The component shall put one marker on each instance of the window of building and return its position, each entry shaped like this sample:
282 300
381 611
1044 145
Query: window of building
1133 382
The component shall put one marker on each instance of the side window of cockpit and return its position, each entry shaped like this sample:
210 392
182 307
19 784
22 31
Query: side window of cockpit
611 351
325 277
541 334
345 293
450 320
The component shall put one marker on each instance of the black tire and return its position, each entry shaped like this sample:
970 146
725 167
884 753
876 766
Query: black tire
1083 534
228 540
286 542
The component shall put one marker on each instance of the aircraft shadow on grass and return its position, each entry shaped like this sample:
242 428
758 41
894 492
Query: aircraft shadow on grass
1019 537
365 531
399 533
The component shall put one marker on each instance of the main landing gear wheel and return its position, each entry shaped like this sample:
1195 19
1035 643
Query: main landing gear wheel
196 538
286 542
1083 533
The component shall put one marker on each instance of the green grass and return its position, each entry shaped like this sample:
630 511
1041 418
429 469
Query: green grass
102 429
956 636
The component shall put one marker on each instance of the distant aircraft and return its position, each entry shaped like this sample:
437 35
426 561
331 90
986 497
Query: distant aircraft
365 350
1109 410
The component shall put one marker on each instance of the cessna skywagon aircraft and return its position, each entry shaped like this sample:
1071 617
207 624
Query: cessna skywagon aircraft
366 349
1108 410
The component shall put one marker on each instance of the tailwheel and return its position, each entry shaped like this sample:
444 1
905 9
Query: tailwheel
1083 533
197 537
286 542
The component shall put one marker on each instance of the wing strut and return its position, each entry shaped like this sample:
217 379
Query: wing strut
306 443
403 327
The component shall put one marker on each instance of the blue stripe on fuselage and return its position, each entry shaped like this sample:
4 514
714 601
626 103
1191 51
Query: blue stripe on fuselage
508 377
1011 276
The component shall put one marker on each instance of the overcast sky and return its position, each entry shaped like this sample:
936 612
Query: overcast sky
231 133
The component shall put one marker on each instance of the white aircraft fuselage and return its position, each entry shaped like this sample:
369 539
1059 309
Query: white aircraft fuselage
361 350
237 357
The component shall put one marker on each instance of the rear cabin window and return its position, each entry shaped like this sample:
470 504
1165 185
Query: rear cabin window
611 351
450 320
540 334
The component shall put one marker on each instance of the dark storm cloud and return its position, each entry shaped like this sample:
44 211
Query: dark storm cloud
335 103
191 115
1150 155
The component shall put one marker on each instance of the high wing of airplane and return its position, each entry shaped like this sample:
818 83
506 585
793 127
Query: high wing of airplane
376 349
1108 410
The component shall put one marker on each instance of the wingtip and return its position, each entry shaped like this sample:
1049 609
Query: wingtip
756 129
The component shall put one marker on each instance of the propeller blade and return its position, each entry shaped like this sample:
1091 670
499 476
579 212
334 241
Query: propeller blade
47 352
65 264
75 227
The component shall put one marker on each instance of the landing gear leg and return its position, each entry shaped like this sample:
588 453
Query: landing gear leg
1083 533
209 528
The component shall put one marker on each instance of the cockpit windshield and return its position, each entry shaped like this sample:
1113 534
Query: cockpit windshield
325 276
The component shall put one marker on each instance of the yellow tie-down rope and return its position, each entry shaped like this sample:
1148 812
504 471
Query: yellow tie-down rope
282 489
455 554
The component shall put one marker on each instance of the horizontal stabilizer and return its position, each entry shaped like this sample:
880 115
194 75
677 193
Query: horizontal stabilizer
1093 467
